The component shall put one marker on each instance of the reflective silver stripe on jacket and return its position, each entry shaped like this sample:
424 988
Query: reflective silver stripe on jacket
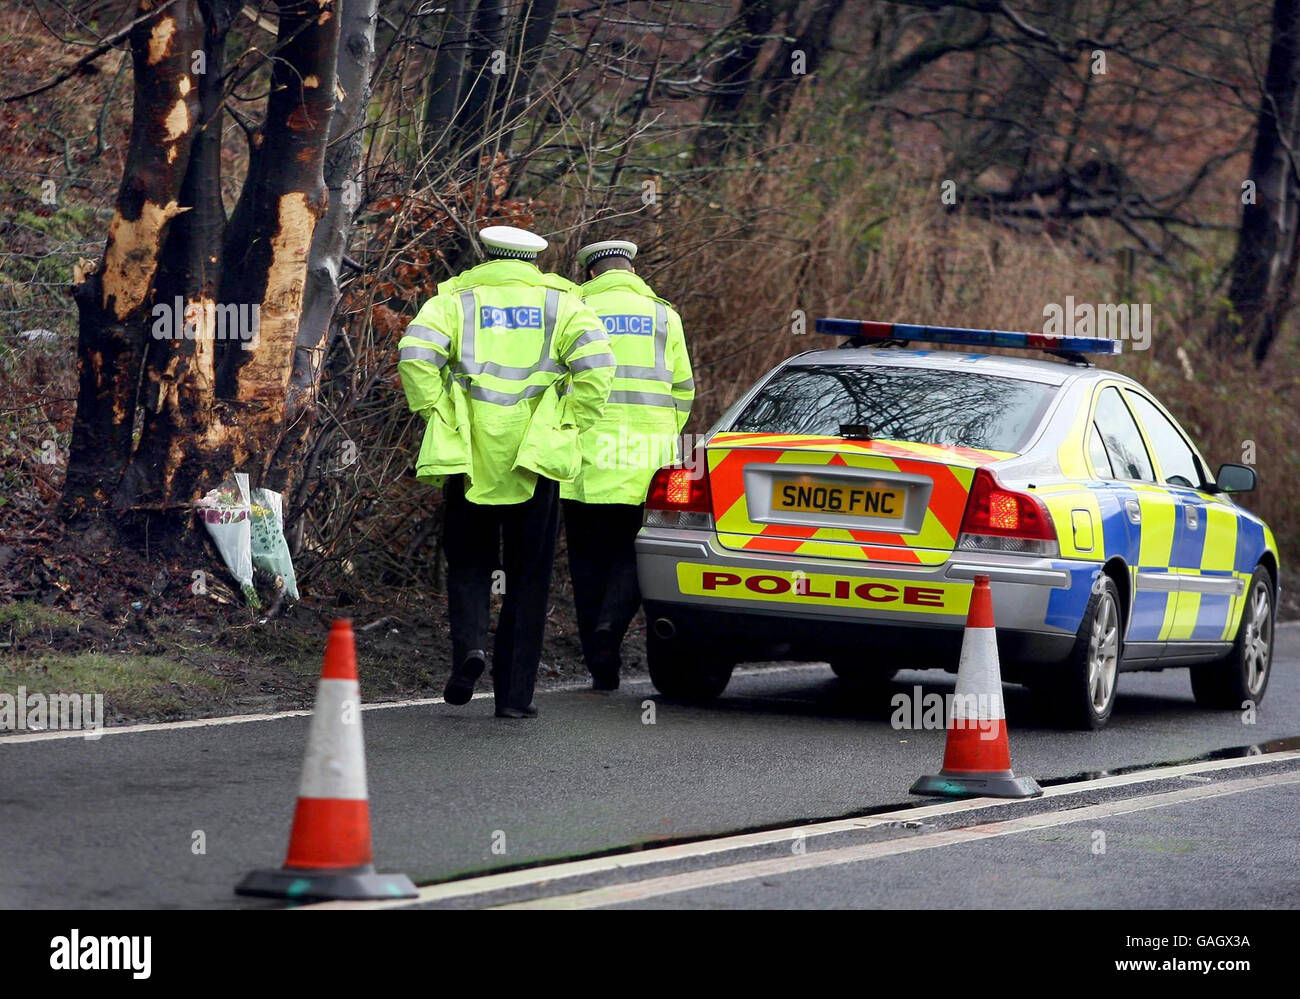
594 361
590 336
483 394
643 399
428 334
432 338
549 310
660 370
685 385
434 357
469 365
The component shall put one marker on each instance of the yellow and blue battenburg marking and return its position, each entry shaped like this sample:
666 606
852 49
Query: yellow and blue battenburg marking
1189 556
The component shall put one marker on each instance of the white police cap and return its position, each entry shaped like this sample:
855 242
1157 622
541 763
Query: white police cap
592 252
507 241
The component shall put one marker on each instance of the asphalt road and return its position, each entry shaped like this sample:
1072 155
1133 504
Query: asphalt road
1230 852
114 822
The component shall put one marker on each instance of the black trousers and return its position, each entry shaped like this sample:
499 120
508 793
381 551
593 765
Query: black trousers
602 563
518 538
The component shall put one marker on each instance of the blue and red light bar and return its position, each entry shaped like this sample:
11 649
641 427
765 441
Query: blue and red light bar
867 330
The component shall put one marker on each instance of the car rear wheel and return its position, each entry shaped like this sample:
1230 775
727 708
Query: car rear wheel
685 673
1242 675
1080 692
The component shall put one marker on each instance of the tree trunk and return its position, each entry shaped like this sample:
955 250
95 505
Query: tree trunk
487 37
322 293
528 39
1014 129
733 79
1264 265
813 41
445 83
956 30
113 300
179 386
270 233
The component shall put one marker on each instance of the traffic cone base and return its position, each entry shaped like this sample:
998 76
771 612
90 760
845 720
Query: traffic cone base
329 845
322 886
969 786
977 756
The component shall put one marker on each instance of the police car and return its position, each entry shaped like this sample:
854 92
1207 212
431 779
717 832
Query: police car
840 510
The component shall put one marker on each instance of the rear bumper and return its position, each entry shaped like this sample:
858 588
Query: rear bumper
916 611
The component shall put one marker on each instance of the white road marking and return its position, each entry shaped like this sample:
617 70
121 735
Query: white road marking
637 891
486 883
412 703
378 706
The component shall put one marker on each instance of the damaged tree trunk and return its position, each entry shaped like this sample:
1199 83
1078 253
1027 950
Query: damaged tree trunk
208 312
323 290
113 296
270 233
178 390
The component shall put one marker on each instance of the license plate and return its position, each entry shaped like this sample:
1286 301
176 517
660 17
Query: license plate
856 501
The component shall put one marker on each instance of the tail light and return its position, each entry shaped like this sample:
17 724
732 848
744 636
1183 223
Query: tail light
1003 520
679 496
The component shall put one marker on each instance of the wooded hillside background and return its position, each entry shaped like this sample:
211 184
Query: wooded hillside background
950 163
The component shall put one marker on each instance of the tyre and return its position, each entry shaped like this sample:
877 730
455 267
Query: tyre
1080 693
860 676
1242 675
683 673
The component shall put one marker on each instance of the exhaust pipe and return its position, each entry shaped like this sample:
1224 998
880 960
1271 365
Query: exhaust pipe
664 628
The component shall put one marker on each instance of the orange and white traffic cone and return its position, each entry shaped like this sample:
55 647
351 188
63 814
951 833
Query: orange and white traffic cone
329 847
977 758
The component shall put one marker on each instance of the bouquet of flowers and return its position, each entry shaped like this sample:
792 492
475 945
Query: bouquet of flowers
270 549
226 512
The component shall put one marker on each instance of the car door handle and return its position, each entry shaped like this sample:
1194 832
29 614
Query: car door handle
1134 509
1193 518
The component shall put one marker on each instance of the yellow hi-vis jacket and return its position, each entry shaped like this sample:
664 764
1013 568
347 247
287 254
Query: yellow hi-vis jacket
651 397
508 366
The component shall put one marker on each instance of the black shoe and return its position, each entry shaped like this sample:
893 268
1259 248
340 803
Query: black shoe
460 685
604 671
605 678
528 712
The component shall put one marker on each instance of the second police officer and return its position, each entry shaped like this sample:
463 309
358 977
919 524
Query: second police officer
508 366
638 432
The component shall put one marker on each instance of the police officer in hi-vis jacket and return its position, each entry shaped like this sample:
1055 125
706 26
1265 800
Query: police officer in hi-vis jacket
508 367
638 433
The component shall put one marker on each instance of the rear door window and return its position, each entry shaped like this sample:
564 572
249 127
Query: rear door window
1120 436
1178 462
1100 459
919 405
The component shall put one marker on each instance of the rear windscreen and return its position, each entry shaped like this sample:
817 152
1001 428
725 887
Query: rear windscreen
922 405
